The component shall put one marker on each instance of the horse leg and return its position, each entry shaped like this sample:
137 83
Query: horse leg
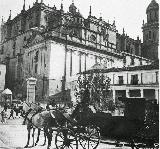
29 131
132 144
33 136
49 138
44 138
38 136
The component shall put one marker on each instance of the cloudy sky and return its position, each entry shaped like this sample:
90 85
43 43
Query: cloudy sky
127 13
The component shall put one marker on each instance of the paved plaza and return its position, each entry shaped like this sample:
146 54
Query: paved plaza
13 135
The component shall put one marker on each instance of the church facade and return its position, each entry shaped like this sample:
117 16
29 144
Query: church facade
53 46
151 32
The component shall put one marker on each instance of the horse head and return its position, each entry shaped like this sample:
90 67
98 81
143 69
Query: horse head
26 107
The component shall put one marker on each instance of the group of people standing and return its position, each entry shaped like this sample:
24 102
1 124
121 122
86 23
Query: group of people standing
4 113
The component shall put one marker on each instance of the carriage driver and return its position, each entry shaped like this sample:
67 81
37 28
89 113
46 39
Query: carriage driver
85 98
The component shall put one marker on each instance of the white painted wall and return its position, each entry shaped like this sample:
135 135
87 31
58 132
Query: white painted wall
2 76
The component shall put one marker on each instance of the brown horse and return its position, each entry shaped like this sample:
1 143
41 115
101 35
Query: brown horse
44 120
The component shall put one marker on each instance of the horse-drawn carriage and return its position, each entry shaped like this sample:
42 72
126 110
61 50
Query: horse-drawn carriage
83 128
76 134
135 128
72 131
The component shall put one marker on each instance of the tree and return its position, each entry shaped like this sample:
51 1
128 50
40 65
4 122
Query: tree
94 89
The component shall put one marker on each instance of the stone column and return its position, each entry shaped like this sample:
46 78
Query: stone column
79 62
142 94
71 63
85 62
157 95
31 83
114 95
127 93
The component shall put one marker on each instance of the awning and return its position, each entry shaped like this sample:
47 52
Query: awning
61 97
7 92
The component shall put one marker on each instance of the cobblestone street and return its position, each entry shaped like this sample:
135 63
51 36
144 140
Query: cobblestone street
13 135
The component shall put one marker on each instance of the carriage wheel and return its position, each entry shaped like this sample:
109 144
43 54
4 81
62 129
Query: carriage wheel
66 139
89 138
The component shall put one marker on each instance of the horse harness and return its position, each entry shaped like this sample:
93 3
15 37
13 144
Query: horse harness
30 119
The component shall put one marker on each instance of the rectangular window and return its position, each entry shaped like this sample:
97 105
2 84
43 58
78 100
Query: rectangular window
134 79
0 72
149 34
36 66
120 79
140 61
132 61
2 50
124 60
44 61
36 57
135 93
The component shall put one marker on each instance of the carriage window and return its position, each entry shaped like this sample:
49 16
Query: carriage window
134 79
120 79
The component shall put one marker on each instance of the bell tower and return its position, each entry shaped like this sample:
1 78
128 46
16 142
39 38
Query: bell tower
151 32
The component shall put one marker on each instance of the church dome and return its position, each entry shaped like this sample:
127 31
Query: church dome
152 5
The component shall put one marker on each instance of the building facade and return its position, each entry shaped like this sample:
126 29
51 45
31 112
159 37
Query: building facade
53 46
133 82
126 44
151 32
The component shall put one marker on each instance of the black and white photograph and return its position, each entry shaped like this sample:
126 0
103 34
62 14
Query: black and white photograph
79 74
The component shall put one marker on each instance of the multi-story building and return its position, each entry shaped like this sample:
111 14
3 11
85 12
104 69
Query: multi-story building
138 81
53 45
151 32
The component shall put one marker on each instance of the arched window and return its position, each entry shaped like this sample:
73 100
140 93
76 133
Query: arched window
93 38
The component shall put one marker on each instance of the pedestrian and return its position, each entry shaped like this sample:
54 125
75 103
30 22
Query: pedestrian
47 107
16 110
5 106
11 114
4 116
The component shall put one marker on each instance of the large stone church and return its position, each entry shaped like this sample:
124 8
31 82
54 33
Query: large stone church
54 46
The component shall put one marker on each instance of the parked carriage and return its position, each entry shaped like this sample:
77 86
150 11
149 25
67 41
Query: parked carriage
134 128
75 133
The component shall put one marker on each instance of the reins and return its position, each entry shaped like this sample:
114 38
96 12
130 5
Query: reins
30 120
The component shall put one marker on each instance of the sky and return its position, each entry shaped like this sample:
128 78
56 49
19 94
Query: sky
128 14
